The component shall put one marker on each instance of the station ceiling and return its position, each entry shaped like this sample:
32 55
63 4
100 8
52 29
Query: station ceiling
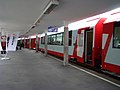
19 15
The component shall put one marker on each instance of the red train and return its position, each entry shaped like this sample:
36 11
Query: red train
30 42
93 41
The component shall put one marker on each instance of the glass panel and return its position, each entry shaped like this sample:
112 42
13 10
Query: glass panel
53 39
116 42
59 40
80 40
42 40
50 39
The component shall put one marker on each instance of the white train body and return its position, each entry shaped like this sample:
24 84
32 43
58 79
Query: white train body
94 41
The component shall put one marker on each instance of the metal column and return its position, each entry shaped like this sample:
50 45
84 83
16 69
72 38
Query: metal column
24 42
37 44
46 46
65 62
29 43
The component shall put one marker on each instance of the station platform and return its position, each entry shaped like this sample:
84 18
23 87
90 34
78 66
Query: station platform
27 70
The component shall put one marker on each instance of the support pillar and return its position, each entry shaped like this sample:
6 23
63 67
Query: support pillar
24 42
29 43
46 46
37 44
65 62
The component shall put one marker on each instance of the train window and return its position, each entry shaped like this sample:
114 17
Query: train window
59 40
116 37
70 38
49 39
53 39
80 40
42 40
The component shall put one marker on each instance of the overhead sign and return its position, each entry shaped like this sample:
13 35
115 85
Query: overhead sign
52 29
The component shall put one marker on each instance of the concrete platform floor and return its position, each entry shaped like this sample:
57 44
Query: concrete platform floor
27 70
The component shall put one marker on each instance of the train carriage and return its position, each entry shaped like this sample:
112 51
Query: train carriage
55 42
94 41
111 47
26 42
33 42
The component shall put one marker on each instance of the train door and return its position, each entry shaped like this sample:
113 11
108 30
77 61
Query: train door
88 46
